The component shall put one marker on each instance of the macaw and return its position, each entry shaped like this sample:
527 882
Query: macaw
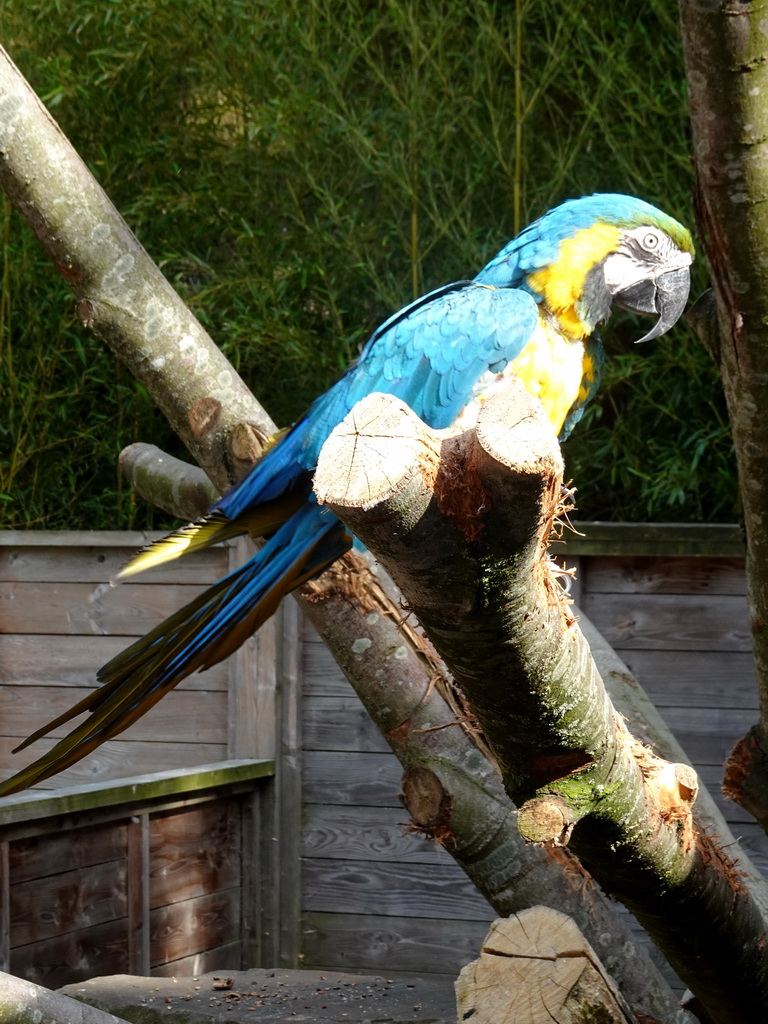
531 312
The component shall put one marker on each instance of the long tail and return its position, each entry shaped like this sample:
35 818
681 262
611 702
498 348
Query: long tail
201 634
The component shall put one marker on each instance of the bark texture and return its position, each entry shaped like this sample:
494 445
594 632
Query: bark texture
726 55
460 527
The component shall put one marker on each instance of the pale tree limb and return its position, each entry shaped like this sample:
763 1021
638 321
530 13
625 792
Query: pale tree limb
121 295
461 525
222 427
22 1002
168 483
726 55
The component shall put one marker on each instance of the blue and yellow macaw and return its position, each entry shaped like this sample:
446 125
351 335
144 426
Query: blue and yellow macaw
531 312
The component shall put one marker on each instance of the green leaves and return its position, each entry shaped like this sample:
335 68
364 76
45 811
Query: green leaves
300 170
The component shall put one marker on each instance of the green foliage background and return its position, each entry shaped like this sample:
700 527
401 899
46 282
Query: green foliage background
300 170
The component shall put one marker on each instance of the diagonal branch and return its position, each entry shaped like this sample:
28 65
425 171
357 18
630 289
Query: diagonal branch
461 523
121 294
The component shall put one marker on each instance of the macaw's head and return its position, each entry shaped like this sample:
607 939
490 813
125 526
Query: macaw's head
588 255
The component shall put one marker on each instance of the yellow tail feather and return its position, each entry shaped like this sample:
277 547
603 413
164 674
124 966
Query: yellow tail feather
189 538
258 522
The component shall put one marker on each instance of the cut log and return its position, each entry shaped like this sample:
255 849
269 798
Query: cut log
537 968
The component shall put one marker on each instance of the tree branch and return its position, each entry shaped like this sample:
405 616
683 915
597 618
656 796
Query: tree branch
121 295
460 524
726 56
166 482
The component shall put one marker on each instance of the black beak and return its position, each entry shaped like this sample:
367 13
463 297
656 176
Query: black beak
665 295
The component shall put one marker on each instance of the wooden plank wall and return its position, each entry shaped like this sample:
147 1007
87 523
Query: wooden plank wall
681 626
376 899
373 898
60 620
173 887
151 887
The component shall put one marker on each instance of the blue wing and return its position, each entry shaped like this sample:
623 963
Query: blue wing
430 355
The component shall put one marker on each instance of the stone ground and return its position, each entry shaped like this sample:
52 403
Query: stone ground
271 997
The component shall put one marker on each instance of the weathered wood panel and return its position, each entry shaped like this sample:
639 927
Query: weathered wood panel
368 780
665 622
402 890
40 855
683 576
153 882
350 942
708 734
322 677
688 540
68 901
194 852
221 958
340 723
181 929
700 679
367 833
63 959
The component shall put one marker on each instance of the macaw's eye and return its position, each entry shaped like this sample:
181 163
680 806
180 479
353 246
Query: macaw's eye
650 240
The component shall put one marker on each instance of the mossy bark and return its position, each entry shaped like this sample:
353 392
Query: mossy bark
461 528
726 56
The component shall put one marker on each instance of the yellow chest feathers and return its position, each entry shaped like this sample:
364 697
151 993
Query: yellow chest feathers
550 366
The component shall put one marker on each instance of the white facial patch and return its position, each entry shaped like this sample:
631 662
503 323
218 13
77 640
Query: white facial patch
643 253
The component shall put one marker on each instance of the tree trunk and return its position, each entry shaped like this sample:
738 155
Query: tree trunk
461 522
726 55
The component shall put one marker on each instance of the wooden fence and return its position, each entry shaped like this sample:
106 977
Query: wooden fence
133 859
338 883
131 877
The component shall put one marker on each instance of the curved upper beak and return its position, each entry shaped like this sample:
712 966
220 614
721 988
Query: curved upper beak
665 295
